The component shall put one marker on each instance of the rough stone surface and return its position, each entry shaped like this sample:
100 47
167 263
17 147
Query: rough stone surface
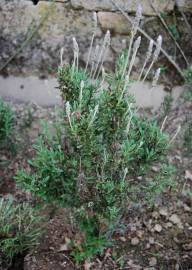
18 18
127 5
119 43
114 22
66 19
185 5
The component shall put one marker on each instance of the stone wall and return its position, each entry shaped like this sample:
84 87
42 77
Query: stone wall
67 18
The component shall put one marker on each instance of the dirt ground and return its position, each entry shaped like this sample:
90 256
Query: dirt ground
149 238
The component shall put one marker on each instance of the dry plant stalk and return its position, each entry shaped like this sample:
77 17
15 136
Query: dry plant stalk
92 39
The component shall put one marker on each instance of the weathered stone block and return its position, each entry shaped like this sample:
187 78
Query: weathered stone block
185 5
114 22
119 43
127 5
18 19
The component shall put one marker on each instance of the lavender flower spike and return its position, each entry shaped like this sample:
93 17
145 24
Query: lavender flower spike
76 53
68 112
148 56
156 77
137 19
155 55
92 39
158 48
61 56
135 49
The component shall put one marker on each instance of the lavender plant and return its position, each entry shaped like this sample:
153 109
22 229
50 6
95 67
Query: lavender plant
19 229
100 146
6 121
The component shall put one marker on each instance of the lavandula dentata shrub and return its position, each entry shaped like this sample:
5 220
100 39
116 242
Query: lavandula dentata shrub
19 229
100 145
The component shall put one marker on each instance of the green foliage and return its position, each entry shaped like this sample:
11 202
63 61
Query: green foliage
6 121
187 95
145 144
163 68
156 185
70 81
188 79
188 139
92 243
99 147
19 228
51 182
163 15
174 30
188 75
88 248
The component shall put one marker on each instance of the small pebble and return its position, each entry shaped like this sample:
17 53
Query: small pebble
152 261
158 228
135 241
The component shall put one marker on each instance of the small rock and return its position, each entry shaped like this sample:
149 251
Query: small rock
133 229
152 261
176 240
176 220
148 246
4 158
163 212
135 241
155 214
187 246
140 234
87 265
151 240
133 265
186 208
155 168
188 175
169 224
177 157
122 239
64 247
158 228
